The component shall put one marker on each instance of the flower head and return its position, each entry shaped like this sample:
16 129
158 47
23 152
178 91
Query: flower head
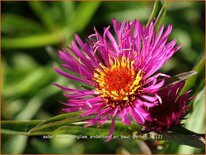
172 109
120 72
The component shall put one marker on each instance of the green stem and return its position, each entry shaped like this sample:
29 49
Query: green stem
155 10
161 16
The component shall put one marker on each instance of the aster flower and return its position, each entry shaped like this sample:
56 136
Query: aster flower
120 73
169 113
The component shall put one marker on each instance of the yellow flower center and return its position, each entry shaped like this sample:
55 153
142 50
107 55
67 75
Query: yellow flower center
118 82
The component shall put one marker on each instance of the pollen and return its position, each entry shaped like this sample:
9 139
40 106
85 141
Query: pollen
118 82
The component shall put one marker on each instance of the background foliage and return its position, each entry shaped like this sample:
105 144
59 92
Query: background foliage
33 32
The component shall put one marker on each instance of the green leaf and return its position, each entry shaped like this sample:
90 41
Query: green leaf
68 10
197 82
41 10
120 129
36 102
161 16
179 78
30 82
19 25
79 20
184 136
14 145
77 130
71 115
58 121
198 112
62 125
36 40
196 121
155 10
85 11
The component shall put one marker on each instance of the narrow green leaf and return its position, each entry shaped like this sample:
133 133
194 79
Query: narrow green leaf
194 124
77 130
19 25
179 78
36 102
161 16
30 82
155 10
71 115
59 121
79 20
184 136
120 129
85 11
68 10
15 145
196 82
57 126
36 40
198 112
64 127
41 10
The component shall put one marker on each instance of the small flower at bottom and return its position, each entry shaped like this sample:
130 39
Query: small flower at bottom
120 73
169 113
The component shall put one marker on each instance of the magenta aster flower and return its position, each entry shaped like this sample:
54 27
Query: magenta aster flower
172 109
119 71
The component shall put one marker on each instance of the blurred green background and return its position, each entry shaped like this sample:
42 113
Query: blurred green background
33 32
